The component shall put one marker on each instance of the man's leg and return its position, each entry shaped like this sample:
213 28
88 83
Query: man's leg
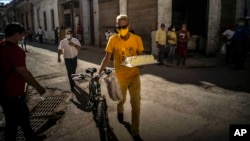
70 70
10 109
120 108
135 101
161 54
24 120
74 64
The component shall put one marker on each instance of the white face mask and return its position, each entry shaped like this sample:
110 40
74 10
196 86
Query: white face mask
68 36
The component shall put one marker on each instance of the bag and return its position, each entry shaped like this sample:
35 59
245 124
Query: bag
113 86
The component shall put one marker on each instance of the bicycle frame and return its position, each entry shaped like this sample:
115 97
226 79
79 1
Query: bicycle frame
97 102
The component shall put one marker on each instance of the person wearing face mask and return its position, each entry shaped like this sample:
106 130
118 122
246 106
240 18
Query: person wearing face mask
182 42
13 76
122 45
160 39
69 47
171 43
240 43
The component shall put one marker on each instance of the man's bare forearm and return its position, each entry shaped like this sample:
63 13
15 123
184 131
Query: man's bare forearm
28 77
105 62
59 53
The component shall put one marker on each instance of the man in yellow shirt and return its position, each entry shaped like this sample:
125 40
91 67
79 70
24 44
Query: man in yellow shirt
122 45
160 39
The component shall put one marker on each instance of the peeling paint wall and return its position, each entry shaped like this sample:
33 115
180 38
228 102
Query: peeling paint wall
164 12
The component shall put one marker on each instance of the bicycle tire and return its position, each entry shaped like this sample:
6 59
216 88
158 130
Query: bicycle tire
102 121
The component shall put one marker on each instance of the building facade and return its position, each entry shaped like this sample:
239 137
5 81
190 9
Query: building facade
45 14
24 14
206 19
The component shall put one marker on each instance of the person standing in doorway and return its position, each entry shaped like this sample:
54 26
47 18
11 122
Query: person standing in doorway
30 34
69 46
240 43
56 35
23 42
14 74
227 35
62 33
171 43
160 39
122 45
79 32
182 43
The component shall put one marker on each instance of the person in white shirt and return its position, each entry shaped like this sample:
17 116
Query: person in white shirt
69 47
40 34
228 34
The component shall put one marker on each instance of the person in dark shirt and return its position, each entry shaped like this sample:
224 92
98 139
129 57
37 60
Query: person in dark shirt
240 43
14 74
56 35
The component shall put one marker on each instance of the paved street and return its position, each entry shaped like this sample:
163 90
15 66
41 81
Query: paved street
193 103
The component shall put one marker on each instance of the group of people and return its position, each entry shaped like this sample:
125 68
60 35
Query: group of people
14 74
237 44
171 40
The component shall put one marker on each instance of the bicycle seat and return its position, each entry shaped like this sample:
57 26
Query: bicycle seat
91 70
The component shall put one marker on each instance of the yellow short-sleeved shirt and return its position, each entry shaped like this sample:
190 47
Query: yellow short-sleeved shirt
172 35
122 49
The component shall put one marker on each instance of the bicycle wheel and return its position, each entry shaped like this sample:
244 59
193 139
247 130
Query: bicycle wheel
102 121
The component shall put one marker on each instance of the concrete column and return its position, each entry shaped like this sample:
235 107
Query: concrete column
214 15
164 12
86 21
123 6
96 22
240 7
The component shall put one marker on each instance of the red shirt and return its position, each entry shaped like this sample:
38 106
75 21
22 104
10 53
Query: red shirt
79 30
11 57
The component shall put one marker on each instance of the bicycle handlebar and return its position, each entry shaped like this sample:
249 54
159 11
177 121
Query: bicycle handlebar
89 74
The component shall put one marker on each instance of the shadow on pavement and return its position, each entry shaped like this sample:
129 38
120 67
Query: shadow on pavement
82 98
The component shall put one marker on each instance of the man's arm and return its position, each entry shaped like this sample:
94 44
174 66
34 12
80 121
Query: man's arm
59 55
156 37
105 62
76 46
28 77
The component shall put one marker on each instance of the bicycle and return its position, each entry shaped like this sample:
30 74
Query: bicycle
97 102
